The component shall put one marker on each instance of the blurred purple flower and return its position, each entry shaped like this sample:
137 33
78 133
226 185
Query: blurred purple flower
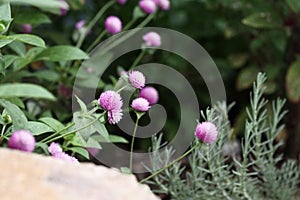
163 4
80 24
148 6
113 24
206 132
65 91
54 148
26 28
56 152
121 1
22 140
152 39
149 93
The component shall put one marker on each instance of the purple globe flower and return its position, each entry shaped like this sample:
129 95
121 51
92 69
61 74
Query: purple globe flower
152 39
150 94
112 102
65 157
148 6
163 4
140 104
26 28
137 79
114 116
206 132
54 148
121 1
113 24
56 151
22 140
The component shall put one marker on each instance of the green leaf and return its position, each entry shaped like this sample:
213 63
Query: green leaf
138 13
29 39
76 4
294 5
38 128
61 53
92 143
262 20
5 17
34 17
53 123
24 90
246 77
43 146
17 101
125 170
80 151
38 3
19 120
293 82
81 104
18 47
5 41
117 139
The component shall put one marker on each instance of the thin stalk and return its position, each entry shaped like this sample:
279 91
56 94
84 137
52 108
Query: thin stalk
2 132
93 22
58 132
76 130
138 59
132 142
98 39
172 163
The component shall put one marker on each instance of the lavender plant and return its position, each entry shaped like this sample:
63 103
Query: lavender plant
256 173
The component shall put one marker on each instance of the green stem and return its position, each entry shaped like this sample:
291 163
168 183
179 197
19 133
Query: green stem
172 163
2 132
129 24
94 21
132 143
58 132
137 60
98 39
76 130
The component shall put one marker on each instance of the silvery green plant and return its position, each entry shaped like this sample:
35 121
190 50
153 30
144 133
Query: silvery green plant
221 171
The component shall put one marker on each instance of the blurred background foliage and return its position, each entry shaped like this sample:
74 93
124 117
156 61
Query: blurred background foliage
242 36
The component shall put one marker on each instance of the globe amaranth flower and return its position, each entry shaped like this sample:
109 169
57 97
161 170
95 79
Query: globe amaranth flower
112 102
121 1
148 6
163 4
152 39
140 104
56 152
22 140
54 148
150 94
26 28
206 132
113 24
137 79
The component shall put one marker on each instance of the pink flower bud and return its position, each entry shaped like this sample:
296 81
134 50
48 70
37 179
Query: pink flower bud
140 104
149 93
148 6
54 148
152 39
56 151
163 4
22 140
26 28
137 79
206 132
113 24
110 100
